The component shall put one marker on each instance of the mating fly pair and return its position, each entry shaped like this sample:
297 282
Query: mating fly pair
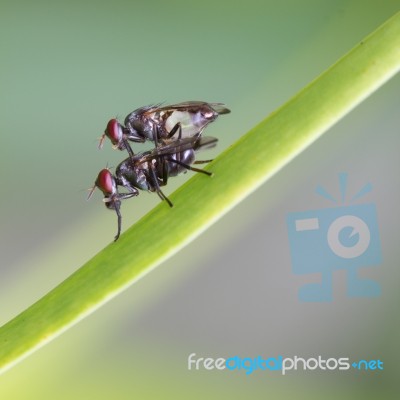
176 131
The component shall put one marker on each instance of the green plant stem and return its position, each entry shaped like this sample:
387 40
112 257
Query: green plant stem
202 200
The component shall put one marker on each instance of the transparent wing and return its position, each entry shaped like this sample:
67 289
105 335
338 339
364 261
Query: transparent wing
195 106
177 146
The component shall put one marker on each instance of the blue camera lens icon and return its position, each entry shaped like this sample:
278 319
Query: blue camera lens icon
325 240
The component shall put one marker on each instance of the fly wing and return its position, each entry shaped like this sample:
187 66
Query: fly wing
190 106
178 146
219 108
192 116
137 159
205 142
195 106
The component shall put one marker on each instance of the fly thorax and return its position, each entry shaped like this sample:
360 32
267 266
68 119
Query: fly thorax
136 128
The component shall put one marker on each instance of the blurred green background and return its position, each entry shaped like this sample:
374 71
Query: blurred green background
66 68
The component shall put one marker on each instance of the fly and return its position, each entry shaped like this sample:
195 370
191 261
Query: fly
150 171
162 125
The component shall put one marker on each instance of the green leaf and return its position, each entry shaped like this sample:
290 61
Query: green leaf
202 200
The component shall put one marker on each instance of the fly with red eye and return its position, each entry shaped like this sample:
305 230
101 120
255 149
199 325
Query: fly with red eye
149 171
162 125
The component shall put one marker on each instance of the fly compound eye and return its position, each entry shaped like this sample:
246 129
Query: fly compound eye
114 131
106 182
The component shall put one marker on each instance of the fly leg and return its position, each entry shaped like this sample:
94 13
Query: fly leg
128 148
155 136
177 127
123 196
115 204
119 216
156 185
189 167
202 161
165 172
